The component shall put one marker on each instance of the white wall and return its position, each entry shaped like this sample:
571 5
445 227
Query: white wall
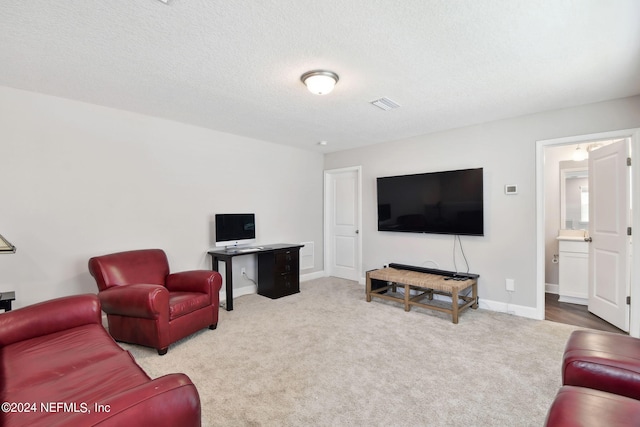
80 180
552 158
506 151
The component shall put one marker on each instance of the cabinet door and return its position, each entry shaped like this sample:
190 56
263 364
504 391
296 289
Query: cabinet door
574 276
287 284
286 262
279 273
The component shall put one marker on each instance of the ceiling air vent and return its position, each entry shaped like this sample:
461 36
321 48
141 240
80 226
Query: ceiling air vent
385 104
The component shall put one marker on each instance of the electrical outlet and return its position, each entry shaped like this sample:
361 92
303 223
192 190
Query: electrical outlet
510 285
243 271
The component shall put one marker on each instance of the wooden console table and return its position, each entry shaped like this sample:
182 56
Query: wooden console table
426 284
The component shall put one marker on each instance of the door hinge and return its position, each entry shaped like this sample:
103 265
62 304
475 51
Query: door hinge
628 300
628 161
628 231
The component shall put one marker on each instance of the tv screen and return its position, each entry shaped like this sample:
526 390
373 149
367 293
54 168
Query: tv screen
233 229
449 202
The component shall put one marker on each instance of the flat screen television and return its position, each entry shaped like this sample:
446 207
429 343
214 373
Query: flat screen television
449 202
235 229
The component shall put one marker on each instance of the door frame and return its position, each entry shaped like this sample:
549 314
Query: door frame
328 200
634 135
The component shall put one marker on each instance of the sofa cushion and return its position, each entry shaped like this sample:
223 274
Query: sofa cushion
83 387
83 367
23 361
603 361
131 267
584 407
181 303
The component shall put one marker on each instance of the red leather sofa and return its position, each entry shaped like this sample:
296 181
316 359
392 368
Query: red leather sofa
147 305
601 381
60 367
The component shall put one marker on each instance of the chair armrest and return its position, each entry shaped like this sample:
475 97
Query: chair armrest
48 317
171 400
142 300
205 281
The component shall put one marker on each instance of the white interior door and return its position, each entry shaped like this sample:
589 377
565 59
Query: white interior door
609 206
343 222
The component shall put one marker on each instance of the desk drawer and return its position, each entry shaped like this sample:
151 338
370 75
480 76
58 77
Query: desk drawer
279 273
573 246
286 262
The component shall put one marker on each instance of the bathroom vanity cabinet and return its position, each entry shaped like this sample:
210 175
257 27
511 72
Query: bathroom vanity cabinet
574 271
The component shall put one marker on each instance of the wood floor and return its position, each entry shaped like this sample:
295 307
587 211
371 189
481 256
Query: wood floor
574 314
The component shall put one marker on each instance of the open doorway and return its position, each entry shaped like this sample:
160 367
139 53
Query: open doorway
575 314
556 166
566 227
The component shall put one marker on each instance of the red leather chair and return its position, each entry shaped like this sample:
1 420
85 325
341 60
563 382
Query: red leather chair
147 305
586 407
603 361
601 381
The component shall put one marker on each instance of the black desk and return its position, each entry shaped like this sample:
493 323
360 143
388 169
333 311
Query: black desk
5 300
278 269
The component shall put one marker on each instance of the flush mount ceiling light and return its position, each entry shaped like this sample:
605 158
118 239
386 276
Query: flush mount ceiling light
319 82
579 154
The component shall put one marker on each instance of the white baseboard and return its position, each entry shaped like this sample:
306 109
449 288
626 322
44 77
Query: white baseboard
498 306
573 300
253 289
311 276
238 292
502 307
551 288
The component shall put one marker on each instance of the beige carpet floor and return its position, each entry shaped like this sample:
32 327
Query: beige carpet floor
326 357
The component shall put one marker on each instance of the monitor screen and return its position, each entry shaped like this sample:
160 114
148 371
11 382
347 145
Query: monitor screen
234 229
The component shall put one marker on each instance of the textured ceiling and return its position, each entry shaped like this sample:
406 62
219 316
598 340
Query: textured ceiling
235 66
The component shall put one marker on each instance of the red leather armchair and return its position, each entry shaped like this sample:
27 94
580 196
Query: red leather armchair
147 305
600 381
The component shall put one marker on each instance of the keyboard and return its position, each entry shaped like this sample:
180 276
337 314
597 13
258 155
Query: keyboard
245 250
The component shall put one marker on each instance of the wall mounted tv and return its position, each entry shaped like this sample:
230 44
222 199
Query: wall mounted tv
235 229
449 202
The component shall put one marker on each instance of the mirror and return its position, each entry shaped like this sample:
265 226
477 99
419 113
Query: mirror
574 195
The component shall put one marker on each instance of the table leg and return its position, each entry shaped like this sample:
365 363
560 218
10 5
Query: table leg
368 287
228 278
454 304
229 285
474 295
407 292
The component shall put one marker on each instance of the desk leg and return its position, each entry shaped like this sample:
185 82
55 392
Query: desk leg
229 285
228 278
